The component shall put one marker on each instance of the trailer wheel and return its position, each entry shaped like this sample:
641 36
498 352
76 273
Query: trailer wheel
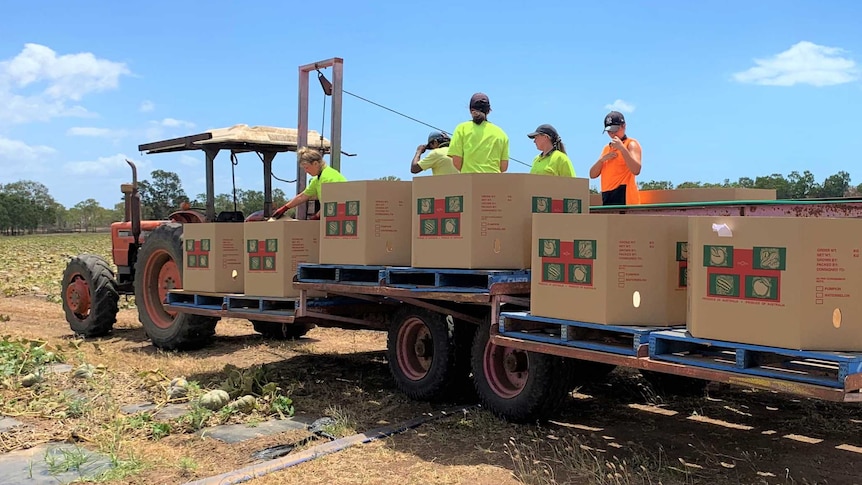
158 270
421 354
281 331
517 385
673 384
90 296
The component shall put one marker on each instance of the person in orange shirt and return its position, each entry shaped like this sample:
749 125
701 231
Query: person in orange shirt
618 164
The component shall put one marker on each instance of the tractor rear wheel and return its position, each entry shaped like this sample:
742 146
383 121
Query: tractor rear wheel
90 296
281 331
158 270
517 385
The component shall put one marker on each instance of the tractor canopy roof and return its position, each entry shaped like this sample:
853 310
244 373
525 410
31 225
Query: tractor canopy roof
239 138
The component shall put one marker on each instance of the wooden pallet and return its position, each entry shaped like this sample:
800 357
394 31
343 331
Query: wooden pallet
811 367
341 273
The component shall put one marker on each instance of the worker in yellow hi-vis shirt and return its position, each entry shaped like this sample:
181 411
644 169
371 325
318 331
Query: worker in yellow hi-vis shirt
479 146
553 159
312 161
438 159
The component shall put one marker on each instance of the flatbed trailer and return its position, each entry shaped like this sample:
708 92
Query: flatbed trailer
452 328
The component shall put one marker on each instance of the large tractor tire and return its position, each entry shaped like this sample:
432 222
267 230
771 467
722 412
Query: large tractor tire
281 331
422 355
158 270
517 385
90 296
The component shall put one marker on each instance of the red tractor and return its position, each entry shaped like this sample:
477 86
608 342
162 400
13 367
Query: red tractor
148 254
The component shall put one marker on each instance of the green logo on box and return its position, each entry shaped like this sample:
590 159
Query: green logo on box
352 207
454 204
542 205
429 227
585 249
333 228
770 258
272 245
205 244
572 206
724 285
254 263
553 272
251 246
190 244
761 287
682 251
348 228
581 274
549 248
718 256
451 226
425 205
330 209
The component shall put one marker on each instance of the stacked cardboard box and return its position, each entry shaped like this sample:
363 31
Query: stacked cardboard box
614 269
366 223
273 250
212 257
777 281
483 221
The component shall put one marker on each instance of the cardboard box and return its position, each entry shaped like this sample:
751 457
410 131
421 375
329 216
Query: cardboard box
366 222
595 200
785 282
483 221
212 257
704 195
617 269
273 250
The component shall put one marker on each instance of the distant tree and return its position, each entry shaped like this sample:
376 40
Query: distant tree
837 185
390 178
39 208
656 185
162 195
87 212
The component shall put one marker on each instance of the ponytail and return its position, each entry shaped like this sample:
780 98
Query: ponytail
558 145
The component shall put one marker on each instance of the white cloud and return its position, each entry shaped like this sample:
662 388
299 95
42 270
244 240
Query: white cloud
621 106
53 83
95 132
147 106
175 123
104 166
18 151
804 63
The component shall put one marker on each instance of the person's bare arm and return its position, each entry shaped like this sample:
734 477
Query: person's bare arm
631 155
414 165
457 161
299 199
596 169
504 165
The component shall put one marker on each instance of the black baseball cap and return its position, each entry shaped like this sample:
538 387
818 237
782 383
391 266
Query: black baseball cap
438 136
613 121
480 102
545 130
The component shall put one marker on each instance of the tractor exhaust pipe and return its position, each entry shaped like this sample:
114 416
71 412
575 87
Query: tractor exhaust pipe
133 203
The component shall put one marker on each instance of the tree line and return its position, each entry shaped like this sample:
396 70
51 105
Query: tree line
27 206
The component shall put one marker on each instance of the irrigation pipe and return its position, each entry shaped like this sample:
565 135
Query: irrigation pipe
260 469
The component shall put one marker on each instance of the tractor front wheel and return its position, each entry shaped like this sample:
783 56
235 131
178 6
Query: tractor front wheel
158 270
89 292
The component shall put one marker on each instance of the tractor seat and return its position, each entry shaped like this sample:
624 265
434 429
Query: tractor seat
230 216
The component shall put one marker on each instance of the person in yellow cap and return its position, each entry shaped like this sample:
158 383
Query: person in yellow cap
479 146
553 159
312 161
438 159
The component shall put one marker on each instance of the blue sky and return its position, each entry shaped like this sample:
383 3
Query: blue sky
712 90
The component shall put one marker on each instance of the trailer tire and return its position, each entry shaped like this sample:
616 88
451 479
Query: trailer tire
281 331
672 384
159 268
421 353
90 297
518 386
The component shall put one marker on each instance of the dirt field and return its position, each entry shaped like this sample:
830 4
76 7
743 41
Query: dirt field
616 432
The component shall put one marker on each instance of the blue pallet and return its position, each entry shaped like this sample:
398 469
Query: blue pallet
615 339
452 280
810 367
348 274
196 300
